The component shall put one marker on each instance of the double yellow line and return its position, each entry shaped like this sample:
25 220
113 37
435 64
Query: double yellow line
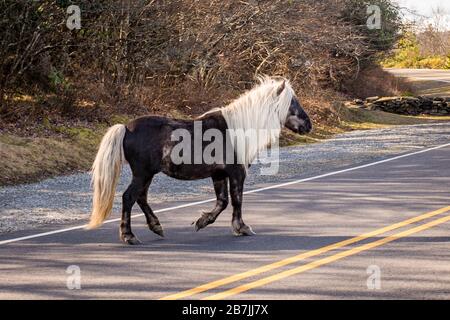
312 253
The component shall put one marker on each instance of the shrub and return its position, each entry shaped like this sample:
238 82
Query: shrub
408 55
183 54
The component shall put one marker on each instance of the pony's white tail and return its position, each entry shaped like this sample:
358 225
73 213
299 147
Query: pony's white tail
105 173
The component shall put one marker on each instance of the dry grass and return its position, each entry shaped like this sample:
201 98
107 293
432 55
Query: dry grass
28 159
375 81
361 119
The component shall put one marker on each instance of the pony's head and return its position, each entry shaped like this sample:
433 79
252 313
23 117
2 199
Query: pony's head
297 120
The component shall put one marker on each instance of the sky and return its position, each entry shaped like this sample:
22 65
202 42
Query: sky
425 8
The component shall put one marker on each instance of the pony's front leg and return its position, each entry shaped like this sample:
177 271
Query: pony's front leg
236 190
221 189
128 199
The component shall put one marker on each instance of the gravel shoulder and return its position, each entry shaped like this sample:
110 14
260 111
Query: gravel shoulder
67 199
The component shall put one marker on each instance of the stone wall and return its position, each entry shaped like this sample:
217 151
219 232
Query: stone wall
407 105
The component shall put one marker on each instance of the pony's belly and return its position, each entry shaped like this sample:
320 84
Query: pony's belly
191 171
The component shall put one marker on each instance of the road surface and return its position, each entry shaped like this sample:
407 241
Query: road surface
426 82
422 74
375 228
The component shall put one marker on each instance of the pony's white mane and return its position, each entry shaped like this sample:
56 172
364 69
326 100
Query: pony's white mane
263 110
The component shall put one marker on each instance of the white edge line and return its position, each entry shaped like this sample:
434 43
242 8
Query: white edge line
191 204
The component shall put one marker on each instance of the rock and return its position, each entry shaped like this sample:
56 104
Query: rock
386 100
372 99
405 105
349 104
410 99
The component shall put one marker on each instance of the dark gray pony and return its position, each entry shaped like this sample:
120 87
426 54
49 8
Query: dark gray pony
149 145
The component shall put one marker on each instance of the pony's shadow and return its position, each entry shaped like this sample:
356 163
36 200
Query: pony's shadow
266 240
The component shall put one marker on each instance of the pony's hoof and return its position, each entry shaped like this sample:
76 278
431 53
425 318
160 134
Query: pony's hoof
202 222
130 239
243 231
157 229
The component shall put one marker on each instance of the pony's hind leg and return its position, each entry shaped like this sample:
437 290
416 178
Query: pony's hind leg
152 219
221 189
236 190
128 199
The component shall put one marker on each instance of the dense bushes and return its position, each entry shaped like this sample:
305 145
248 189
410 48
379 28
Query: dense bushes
419 51
185 54
377 40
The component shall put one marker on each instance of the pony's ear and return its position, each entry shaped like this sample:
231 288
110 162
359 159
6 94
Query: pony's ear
281 88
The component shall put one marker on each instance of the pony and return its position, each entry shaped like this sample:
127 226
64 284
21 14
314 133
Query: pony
147 144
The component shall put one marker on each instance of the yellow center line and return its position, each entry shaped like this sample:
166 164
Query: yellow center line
299 257
321 262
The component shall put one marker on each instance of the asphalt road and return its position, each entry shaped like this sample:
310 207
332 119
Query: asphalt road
311 243
426 82
422 74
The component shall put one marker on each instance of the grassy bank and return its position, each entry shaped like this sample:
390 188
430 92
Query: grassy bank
28 159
